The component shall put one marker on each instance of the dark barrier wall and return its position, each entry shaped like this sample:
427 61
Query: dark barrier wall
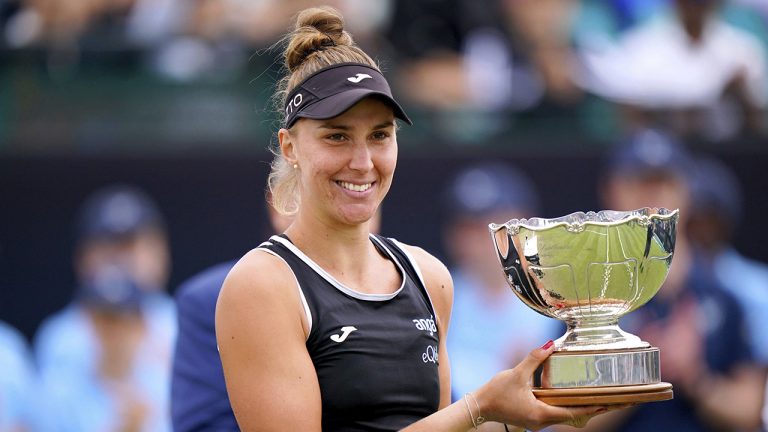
214 207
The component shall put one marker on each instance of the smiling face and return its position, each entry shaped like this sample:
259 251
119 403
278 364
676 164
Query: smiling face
345 163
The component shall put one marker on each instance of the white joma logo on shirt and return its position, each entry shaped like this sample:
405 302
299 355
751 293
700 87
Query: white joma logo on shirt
359 77
345 331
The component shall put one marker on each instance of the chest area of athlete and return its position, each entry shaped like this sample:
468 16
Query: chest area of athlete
395 355
350 338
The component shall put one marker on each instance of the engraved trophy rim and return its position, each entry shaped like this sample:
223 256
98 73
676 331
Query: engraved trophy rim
578 220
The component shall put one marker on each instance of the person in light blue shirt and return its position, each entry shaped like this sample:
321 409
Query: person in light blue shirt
17 382
104 359
490 328
716 215
696 323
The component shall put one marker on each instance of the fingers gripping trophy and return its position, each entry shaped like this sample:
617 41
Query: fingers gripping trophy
588 270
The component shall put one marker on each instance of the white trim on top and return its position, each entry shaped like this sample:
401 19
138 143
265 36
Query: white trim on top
304 303
418 272
338 285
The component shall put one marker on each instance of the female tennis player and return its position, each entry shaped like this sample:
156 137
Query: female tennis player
328 326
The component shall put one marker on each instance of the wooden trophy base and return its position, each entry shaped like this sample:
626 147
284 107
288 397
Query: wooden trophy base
631 394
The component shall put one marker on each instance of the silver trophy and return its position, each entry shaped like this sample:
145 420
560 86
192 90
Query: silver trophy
588 270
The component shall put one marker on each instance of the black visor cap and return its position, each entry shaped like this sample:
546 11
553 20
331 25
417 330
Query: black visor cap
333 90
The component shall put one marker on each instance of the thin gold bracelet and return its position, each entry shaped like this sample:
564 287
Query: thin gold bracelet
471 417
480 418
476 421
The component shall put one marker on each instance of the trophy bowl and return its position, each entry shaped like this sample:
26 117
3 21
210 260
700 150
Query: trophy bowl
588 270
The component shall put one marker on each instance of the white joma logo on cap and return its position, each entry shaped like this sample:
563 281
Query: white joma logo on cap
359 77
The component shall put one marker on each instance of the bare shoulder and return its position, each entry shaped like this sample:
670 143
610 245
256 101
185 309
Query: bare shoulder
260 285
257 273
436 278
432 268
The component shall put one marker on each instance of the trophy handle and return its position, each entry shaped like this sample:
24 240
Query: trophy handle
500 241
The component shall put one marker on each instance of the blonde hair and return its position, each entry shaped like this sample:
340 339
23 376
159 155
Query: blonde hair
317 41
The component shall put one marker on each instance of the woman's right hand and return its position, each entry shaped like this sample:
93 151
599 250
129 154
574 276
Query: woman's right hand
508 398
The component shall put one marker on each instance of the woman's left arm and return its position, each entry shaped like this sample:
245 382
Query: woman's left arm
439 285
507 397
440 288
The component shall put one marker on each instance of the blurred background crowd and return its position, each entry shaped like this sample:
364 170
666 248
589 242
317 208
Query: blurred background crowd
473 70
133 154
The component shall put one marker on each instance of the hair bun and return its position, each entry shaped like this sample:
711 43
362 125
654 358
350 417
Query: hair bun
316 29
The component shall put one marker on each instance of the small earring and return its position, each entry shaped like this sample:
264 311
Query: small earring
295 166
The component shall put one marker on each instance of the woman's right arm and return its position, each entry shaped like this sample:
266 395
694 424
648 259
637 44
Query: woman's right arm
261 335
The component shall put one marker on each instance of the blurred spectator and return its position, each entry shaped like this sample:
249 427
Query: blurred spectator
543 31
426 40
199 399
697 324
18 407
112 24
218 35
483 56
688 68
105 359
715 216
70 33
491 329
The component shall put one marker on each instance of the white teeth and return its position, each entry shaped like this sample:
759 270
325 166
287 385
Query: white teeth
354 187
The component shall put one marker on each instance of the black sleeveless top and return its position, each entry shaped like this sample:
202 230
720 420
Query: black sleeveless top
375 354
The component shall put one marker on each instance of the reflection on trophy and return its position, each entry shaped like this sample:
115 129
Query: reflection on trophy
589 269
